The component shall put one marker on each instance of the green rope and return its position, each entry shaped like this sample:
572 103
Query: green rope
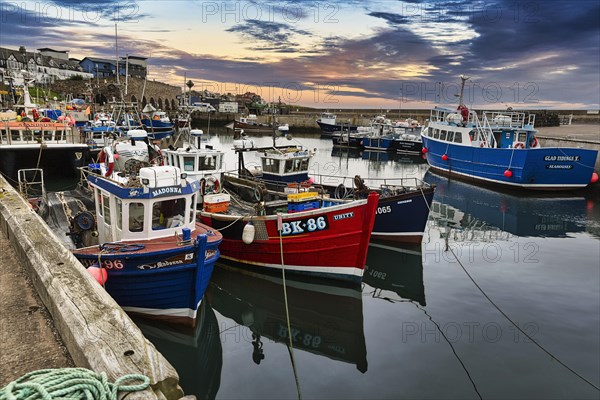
70 383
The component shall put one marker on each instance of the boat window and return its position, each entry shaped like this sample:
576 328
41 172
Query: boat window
119 214
28 134
47 135
304 164
458 137
60 135
3 136
270 165
189 163
136 217
450 136
15 134
168 214
443 135
289 166
207 163
106 208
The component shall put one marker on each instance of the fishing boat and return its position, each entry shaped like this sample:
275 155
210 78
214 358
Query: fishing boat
501 148
200 162
400 137
403 204
402 209
329 125
326 319
30 141
157 129
250 124
153 257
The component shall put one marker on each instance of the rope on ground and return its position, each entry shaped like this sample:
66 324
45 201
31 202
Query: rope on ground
70 383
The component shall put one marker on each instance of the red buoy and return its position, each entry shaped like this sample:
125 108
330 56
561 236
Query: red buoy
99 274
424 150
594 177
508 173
445 157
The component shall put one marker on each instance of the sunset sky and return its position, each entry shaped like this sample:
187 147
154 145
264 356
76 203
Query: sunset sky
339 54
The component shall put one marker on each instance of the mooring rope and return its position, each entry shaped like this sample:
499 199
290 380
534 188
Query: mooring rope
287 311
70 383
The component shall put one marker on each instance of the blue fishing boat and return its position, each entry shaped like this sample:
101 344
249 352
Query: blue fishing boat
502 148
329 125
157 129
153 258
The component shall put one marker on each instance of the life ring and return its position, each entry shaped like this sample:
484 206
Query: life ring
212 184
340 191
483 144
534 142
519 145
258 194
107 157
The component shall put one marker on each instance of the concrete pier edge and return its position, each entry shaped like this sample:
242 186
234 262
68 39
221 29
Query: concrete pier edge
97 333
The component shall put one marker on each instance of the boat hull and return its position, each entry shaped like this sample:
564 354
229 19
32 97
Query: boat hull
329 242
165 284
548 168
255 128
329 129
57 161
343 140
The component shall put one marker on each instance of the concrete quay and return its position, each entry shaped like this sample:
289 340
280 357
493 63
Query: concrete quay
96 332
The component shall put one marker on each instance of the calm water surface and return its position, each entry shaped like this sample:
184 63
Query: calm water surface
417 328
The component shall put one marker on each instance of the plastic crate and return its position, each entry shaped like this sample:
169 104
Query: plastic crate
305 206
303 196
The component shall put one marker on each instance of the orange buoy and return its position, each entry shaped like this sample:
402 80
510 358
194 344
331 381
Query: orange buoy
594 177
508 173
99 274
424 150
445 157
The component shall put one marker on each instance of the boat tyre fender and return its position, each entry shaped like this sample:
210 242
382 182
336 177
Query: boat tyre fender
340 191
534 142
258 194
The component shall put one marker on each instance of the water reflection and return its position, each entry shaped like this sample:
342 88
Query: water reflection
325 319
480 212
196 354
395 272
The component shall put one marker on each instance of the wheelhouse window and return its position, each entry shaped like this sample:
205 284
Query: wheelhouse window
47 135
443 135
189 163
29 134
136 217
119 214
207 163
15 135
168 214
270 165
458 137
450 137
106 208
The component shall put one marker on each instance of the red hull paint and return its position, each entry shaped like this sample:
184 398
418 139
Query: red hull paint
340 249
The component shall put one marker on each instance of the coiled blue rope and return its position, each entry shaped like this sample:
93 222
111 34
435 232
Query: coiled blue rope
70 383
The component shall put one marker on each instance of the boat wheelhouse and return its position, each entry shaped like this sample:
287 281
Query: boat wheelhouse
329 125
158 259
501 148
285 164
202 163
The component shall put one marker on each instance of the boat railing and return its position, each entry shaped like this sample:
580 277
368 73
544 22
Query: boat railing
484 130
348 181
509 119
36 135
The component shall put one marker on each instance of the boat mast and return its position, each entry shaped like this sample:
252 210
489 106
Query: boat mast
463 79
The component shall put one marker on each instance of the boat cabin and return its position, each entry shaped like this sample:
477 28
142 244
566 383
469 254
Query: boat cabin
285 164
15 133
328 118
494 130
160 205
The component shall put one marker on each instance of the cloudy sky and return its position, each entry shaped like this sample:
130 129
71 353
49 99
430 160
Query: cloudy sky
339 54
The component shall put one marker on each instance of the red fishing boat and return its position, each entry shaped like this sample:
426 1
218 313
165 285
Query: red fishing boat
305 234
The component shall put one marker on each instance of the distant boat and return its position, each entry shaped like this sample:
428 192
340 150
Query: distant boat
329 125
501 148
250 124
31 141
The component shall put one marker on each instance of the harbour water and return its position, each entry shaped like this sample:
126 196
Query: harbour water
421 324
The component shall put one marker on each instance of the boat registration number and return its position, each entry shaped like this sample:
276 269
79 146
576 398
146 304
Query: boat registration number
304 225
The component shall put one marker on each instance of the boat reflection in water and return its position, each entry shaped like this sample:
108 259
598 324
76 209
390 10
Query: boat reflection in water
346 152
195 353
326 319
395 272
466 207
387 156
